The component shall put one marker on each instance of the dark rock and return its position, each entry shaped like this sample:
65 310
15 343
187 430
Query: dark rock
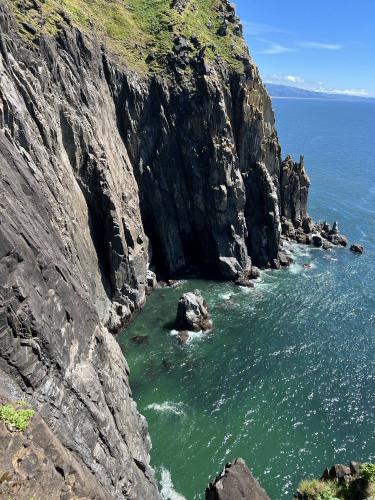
235 483
317 240
254 273
285 259
356 248
151 279
179 5
335 228
141 339
338 240
307 225
192 313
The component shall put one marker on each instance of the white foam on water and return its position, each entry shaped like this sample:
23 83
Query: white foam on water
226 296
167 489
168 407
193 336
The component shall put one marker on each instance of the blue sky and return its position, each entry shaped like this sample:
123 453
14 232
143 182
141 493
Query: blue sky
326 45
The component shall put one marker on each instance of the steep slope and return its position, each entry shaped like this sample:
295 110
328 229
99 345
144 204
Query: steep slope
131 132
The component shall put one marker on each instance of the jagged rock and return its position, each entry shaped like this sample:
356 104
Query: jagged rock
230 267
338 240
285 259
192 313
356 248
235 483
335 228
294 190
307 225
336 473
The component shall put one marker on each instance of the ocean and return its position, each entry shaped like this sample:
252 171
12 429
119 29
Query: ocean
287 378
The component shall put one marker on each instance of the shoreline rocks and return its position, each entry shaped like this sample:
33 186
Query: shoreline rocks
235 482
356 248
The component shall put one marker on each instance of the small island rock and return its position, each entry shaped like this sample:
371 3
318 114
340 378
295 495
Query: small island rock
192 313
356 248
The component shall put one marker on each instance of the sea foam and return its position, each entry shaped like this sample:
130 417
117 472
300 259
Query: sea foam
168 407
167 489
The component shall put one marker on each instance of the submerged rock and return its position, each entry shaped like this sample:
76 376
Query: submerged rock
235 483
356 248
192 313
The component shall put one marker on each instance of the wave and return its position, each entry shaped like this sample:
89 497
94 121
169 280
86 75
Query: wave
192 335
168 407
167 489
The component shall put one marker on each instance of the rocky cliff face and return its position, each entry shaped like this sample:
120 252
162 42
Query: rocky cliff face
103 171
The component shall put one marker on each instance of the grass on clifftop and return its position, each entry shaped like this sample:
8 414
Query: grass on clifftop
133 28
360 487
16 417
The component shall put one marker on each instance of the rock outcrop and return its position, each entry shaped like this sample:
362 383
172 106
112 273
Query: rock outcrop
104 170
192 313
356 248
235 482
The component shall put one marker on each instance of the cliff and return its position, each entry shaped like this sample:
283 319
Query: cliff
131 134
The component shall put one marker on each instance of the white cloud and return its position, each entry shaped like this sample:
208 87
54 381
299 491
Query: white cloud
284 79
293 79
275 48
320 46
349 92
259 28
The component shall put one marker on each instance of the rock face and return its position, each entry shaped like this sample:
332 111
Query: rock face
192 313
36 465
104 171
235 482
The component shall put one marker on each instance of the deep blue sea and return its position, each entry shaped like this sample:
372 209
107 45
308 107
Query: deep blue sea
287 378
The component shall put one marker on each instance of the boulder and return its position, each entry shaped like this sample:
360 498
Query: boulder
254 273
235 483
285 259
356 248
230 267
338 240
192 313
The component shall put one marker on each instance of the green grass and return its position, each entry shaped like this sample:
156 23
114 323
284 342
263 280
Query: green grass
316 489
16 416
360 487
133 29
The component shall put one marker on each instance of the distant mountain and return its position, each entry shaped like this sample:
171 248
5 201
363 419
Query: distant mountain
295 92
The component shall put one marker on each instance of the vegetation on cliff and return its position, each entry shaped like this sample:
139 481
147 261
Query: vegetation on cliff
141 32
16 416
358 486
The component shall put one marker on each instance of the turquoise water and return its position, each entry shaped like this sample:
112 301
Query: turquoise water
287 378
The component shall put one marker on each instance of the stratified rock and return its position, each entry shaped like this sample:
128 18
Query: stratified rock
356 248
36 465
192 313
235 483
